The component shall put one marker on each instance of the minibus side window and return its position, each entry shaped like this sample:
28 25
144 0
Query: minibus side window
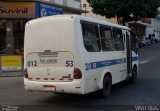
106 38
91 37
118 39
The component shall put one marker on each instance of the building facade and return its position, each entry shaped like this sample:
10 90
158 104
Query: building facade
152 26
86 6
141 28
155 26
15 13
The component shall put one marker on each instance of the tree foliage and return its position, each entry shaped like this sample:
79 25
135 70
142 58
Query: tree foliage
126 10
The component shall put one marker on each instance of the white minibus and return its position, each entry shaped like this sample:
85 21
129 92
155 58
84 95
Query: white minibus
78 55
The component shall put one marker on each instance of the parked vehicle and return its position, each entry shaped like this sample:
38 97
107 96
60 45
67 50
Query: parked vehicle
152 38
157 39
145 41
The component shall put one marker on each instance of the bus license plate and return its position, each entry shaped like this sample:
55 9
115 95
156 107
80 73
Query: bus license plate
49 88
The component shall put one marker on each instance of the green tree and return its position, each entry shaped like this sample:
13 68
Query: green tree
125 10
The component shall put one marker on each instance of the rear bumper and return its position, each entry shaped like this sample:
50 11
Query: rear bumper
74 87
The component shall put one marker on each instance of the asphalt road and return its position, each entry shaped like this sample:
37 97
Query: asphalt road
146 91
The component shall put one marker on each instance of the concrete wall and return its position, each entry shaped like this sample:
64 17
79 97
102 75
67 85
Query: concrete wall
70 3
92 15
156 26
149 30
73 3
59 2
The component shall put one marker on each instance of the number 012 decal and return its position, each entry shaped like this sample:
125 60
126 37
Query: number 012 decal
32 63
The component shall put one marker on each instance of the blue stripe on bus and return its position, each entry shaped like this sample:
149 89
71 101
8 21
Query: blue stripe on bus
135 58
100 64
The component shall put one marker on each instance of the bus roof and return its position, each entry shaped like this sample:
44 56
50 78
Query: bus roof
81 18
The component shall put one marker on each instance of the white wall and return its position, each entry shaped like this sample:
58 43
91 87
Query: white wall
149 30
70 3
90 14
59 2
74 4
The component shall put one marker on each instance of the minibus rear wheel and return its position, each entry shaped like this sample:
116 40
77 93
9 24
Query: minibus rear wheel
107 86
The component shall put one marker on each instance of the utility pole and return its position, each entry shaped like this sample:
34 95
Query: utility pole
85 7
9 38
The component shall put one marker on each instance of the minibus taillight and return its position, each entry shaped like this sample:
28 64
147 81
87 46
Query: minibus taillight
77 73
26 73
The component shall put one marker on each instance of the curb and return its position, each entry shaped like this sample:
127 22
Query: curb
11 74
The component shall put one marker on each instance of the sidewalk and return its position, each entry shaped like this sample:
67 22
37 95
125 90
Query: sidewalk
11 74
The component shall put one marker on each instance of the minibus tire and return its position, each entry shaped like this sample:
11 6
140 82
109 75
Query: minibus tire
107 86
133 78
